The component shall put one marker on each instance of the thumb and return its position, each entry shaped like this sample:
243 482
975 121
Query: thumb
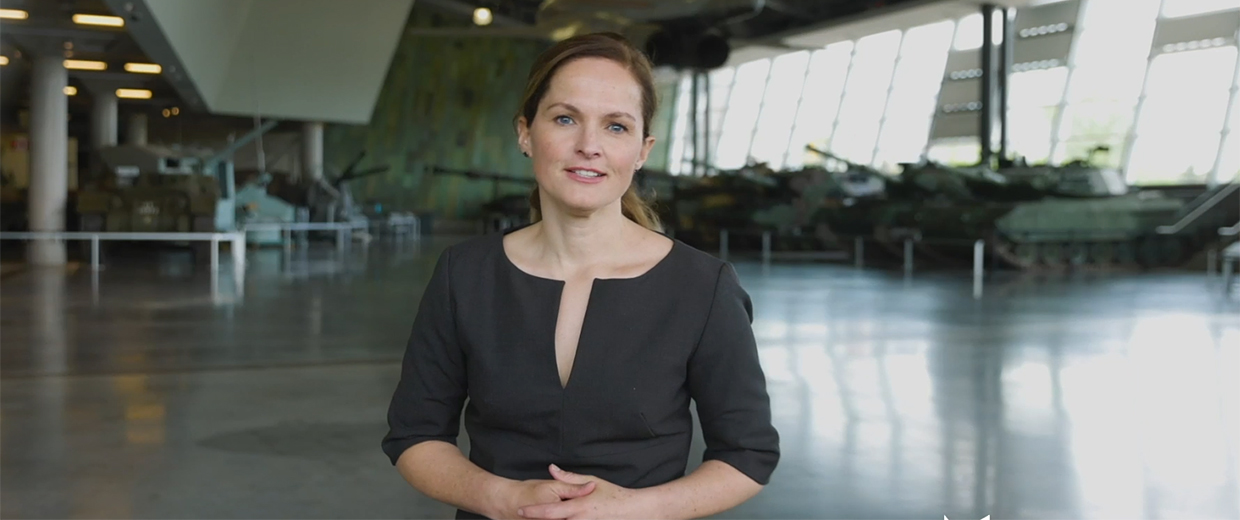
564 476
571 491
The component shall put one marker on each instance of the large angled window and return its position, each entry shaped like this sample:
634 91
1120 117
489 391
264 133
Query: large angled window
744 103
1178 129
865 96
779 109
820 103
1179 8
914 89
1112 51
1033 100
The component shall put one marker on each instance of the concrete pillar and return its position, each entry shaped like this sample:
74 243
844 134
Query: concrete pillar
103 120
312 150
137 129
49 157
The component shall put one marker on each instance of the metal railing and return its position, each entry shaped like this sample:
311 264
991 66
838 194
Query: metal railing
344 230
979 254
1200 210
236 238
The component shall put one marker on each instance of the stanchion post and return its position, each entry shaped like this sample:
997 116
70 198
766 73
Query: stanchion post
340 240
215 254
94 252
979 258
238 252
1211 262
723 245
859 252
908 256
766 248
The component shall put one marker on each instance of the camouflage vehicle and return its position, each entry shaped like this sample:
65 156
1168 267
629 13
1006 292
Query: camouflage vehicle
150 188
154 189
1034 217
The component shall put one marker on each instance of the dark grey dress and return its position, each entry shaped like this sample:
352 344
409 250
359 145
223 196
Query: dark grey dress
485 331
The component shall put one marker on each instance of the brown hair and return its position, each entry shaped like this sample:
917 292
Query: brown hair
609 46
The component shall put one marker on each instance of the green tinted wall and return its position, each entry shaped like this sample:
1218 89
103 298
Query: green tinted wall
447 101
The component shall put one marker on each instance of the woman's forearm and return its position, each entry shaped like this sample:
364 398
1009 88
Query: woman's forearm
712 488
440 471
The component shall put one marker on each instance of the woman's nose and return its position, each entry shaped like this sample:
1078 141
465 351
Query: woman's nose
588 143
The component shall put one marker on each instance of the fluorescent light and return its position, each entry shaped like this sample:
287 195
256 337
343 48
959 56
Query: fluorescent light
85 65
133 93
482 16
143 68
70 90
14 14
94 19
4 60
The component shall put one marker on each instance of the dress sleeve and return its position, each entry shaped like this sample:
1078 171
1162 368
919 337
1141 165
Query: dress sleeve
428 399
727 383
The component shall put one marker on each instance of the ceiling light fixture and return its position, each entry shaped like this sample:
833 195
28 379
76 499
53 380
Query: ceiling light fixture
14 14
133 93
70 90
4 60
144 68
94 19
85 65
482 16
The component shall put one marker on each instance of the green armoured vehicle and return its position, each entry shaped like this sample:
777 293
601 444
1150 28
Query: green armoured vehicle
1035 216
150 188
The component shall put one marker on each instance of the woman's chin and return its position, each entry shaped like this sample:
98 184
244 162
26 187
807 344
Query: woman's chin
582 207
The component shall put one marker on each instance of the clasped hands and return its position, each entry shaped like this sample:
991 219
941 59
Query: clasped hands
575 497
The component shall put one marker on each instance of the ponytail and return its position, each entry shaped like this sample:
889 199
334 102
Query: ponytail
632 205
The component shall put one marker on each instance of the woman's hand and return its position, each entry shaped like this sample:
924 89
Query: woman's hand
517 494
607 501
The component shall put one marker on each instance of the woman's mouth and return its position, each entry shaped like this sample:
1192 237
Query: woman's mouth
586 175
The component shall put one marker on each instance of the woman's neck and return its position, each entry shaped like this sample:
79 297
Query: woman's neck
577 245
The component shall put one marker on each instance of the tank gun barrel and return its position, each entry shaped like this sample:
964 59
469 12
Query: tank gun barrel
834 157
238 143
440 170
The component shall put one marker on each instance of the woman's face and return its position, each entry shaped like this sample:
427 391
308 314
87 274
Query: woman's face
586 137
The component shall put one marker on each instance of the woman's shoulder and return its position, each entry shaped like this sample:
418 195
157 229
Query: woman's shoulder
473 251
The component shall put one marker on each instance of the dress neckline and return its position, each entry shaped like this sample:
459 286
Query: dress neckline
513 266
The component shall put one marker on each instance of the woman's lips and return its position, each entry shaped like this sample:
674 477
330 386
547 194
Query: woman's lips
577 175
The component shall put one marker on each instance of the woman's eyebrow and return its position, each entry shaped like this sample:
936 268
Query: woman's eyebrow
572 108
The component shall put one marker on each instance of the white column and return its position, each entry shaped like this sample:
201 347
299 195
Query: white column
312 150
137 129
49 157
103 120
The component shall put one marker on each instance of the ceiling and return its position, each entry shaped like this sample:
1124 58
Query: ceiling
204 67
49 29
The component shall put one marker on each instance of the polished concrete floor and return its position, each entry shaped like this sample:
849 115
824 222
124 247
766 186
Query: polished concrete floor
148 391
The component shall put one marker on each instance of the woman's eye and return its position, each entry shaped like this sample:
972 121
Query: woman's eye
618 128
564 120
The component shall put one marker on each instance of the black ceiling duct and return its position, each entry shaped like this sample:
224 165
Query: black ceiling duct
687 49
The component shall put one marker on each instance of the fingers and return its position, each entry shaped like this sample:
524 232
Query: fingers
545 511
574 490
565 476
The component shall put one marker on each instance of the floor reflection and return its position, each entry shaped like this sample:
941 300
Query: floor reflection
1114 396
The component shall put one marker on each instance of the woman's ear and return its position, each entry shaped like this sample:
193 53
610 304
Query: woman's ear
523 135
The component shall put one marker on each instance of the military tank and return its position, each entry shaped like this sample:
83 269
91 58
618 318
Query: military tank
152 189
1032 217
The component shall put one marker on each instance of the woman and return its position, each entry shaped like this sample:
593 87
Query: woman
580 339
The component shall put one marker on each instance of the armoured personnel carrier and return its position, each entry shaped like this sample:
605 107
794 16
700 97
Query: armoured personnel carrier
151 189
1034 216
